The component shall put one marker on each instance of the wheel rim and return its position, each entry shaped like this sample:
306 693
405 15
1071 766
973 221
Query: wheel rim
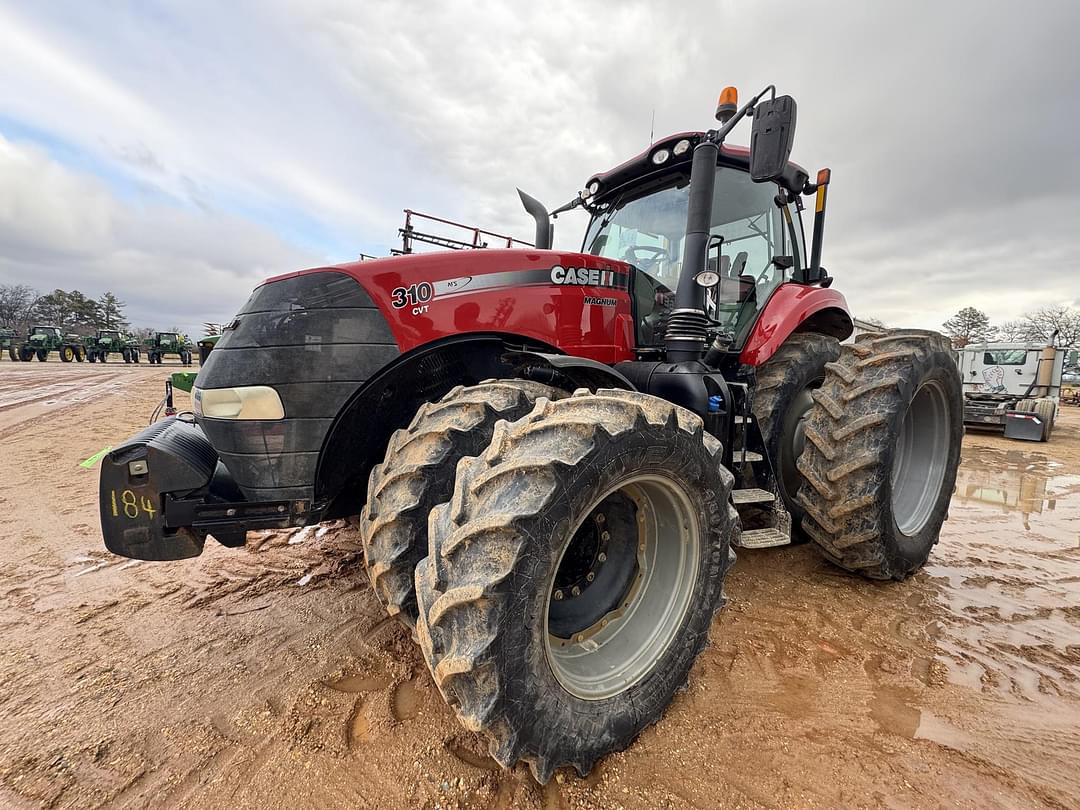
625 642
920 460
793 441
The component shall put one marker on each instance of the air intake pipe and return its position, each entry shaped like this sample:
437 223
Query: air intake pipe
544 232
685 335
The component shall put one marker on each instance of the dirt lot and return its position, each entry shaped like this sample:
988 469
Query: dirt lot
268 677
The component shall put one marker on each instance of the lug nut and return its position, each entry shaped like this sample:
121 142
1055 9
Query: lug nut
575 591
600 518
590 576
601 557
558 595
605 536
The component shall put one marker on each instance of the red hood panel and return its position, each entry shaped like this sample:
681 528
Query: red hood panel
574 302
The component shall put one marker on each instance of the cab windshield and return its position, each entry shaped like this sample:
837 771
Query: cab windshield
648 229
110 335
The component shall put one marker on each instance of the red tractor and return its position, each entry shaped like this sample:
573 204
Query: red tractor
553 455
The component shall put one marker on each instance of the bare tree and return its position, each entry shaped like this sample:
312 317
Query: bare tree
16 304
969 325
1038 326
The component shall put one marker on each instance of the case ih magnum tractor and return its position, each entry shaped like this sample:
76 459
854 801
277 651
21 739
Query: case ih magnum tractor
552 454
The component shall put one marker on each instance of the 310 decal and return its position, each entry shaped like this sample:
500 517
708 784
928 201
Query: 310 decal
412 296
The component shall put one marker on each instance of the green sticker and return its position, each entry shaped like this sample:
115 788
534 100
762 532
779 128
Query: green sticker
94 459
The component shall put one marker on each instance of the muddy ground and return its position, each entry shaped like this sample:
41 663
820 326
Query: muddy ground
269 678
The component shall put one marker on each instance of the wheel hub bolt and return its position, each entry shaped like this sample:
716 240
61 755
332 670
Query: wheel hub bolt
605 536
590 576
575 591
601 557
600 518
558 595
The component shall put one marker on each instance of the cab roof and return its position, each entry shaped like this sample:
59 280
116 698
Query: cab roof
640 166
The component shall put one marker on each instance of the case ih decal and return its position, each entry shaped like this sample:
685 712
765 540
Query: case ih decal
589 277
417 295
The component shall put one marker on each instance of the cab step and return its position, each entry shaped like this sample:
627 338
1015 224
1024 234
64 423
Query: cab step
763 538
741 496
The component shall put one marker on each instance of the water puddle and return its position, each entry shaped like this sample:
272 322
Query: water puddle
893 711
406 702
1007 573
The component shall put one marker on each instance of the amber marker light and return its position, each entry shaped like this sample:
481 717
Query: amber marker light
727 105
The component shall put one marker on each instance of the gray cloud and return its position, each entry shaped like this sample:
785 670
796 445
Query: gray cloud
172 266
948 126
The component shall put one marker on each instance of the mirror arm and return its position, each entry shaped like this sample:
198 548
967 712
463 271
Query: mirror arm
717 136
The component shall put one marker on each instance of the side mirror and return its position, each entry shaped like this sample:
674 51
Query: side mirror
772 138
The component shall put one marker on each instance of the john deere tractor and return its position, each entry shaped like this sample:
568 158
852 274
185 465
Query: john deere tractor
163 343
42 340
112 341
7 342
554 454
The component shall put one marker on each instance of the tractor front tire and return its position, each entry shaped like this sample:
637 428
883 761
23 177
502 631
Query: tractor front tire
43 355
417 473
13 353
80 355
126 355
782 399
67 354
616 502
882 448
26 354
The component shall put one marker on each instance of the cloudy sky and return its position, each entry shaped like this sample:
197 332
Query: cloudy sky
178 152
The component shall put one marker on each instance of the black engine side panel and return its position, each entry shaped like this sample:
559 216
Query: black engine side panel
327 339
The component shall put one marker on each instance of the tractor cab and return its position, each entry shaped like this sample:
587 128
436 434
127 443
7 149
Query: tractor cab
45 332
108 335
756 240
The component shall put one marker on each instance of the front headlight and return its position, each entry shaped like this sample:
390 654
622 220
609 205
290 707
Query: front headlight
246 402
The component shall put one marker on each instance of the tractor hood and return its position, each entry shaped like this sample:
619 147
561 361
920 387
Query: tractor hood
520 292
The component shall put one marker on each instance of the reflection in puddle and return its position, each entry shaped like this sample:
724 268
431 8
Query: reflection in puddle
1007 573
892 710
1013 481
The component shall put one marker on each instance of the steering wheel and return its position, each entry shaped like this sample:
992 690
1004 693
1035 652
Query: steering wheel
658 253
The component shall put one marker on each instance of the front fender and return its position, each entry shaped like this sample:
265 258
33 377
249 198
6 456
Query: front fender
793 308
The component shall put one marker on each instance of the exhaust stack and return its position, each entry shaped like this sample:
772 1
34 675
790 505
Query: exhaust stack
544 232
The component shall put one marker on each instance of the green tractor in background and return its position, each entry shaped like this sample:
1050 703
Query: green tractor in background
111 341
45 339
206 345
163 343
7 342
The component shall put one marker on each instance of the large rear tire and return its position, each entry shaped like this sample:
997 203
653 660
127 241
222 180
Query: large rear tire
882 448
67 354
417 473
782 400
558 682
